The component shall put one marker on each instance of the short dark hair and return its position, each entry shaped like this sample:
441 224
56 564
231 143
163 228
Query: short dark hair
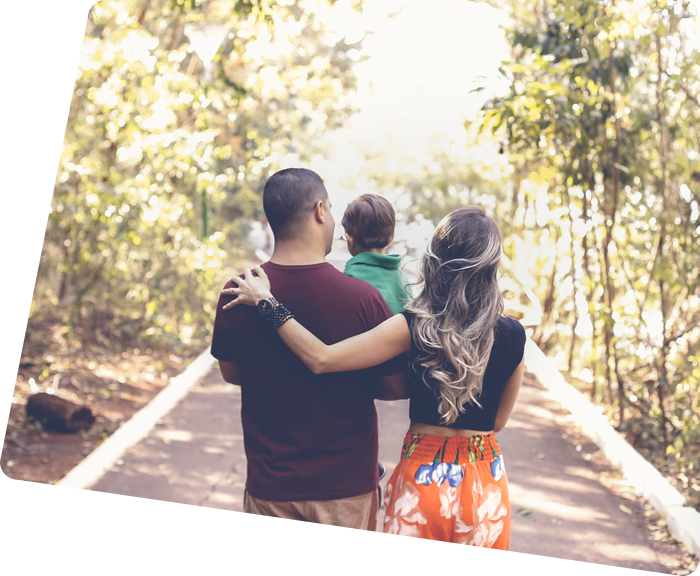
370 220
289 197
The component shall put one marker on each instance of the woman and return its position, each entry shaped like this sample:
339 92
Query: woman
465 371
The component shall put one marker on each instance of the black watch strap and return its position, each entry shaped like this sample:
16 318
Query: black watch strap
278 316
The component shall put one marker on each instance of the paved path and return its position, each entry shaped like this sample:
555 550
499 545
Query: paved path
195 456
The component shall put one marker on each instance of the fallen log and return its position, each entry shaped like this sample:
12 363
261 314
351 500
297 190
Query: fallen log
59 414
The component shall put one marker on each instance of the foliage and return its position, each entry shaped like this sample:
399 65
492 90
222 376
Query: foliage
596 188
162 169
19 22
602 122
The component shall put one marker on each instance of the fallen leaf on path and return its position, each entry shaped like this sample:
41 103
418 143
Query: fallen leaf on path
625 509
525 512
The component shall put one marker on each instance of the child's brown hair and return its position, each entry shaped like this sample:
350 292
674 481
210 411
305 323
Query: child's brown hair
370 220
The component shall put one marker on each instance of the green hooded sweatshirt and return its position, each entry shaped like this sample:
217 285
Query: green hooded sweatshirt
382 271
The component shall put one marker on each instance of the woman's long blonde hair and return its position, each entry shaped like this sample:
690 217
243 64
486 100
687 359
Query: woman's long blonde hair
458 308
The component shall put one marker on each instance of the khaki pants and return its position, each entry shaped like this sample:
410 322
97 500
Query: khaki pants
310 538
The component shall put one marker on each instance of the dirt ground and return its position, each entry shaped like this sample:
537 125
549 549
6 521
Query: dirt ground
114 388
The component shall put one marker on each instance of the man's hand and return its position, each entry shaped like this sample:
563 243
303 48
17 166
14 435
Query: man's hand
251 289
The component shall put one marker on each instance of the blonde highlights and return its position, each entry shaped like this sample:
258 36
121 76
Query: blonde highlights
458 308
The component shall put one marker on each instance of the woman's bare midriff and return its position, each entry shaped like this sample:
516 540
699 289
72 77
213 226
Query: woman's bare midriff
419 428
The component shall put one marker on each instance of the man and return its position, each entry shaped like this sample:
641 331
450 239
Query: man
310 440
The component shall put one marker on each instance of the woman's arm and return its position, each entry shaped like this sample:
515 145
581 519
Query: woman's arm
391 338
509 396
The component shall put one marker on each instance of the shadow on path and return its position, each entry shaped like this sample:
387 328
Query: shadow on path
195 456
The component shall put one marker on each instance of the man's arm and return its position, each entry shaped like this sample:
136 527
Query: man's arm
392 387
230 372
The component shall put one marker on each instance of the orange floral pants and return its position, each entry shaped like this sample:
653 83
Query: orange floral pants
450 488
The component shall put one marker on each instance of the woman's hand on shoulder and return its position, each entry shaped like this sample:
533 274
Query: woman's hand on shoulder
250 289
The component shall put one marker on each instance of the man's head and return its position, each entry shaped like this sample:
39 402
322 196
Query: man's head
296 204
369 223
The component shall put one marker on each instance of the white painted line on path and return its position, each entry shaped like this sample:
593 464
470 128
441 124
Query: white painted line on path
683 521
102 458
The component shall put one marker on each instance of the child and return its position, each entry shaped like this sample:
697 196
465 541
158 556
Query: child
369 223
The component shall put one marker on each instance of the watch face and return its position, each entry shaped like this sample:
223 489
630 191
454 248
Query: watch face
266 306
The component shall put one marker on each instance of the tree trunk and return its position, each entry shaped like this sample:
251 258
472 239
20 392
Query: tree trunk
572 344
610 214
591 291
144 9
661 393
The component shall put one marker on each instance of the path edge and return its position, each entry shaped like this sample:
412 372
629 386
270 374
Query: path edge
101 459
683 521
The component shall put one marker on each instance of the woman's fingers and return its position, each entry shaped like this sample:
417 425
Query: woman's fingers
231 304
261 273
231 292
248 289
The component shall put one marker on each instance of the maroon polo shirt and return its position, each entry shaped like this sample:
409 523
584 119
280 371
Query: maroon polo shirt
306 436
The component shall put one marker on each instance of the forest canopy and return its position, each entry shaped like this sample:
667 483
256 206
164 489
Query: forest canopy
162 167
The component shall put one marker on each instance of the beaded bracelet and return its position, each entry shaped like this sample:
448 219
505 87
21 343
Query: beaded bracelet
278 316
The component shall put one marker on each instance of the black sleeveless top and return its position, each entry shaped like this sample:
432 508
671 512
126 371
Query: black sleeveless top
506 355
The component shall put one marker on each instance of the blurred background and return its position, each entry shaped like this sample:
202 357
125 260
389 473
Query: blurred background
574 123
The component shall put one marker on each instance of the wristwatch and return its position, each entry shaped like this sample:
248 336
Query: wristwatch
266 306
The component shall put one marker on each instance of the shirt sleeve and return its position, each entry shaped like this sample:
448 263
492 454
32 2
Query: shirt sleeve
517 342
221 347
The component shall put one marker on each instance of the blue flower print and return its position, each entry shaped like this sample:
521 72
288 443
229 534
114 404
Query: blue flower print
498 468
438 472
